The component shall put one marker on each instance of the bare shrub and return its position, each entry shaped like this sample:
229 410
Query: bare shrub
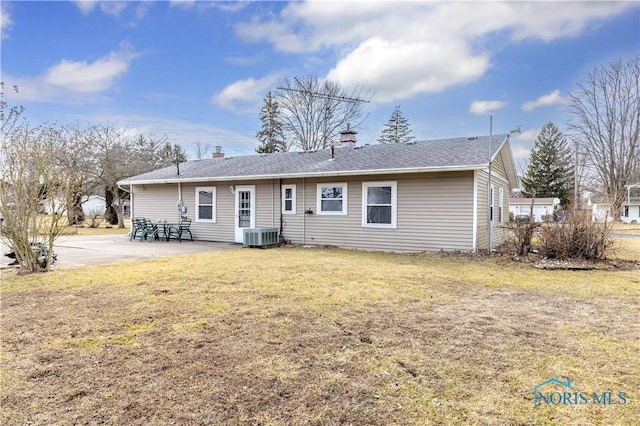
578 237
522 232
94 221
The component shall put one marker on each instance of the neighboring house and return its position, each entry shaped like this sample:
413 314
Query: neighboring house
93 205
419 196
543 208
629 211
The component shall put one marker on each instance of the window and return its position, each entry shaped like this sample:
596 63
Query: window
491 204
332 198
500 203
379 204
288 199
205 204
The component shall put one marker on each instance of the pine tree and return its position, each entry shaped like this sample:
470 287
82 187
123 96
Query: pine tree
550 172
397 129
270 135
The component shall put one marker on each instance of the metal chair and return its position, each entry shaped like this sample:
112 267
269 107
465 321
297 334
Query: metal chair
137 225
184 226
150 229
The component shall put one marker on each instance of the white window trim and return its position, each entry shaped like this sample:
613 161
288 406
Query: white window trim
343 185
492 209
500 205
394 205
293 199
211 189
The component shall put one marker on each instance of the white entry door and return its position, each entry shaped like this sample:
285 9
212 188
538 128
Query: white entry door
245 209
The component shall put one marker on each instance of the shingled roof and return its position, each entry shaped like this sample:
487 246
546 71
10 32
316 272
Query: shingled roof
422 156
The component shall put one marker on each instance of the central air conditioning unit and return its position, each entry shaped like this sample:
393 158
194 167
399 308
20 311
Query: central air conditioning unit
260 237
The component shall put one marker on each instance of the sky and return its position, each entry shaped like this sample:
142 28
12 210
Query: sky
198 71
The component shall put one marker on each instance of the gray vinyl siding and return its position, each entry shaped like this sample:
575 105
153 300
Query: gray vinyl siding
434 212
266 214
155 201
500 231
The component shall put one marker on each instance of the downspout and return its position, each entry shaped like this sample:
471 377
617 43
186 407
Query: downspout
281 217
474 241
180 199
273 213
489 194
130 191
304 209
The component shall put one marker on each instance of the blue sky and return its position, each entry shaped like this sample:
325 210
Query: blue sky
198 71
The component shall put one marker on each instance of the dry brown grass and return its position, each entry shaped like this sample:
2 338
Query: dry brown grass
103 229
309 336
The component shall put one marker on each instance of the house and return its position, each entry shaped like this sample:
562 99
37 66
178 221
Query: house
629 210
543 208
631 207
418 196
93 205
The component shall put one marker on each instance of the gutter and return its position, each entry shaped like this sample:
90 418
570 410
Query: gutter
308 175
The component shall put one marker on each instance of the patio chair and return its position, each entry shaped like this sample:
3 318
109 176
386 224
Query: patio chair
184 226
137 225
150 229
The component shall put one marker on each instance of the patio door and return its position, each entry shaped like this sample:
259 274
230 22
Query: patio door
245 209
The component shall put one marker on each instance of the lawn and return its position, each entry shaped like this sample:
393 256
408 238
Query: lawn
101 229
295 336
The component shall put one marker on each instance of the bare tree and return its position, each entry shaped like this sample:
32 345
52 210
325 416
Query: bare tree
605 117
112 155
201 150
313 112
32 181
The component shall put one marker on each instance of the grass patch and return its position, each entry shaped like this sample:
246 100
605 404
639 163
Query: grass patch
309 336
626 228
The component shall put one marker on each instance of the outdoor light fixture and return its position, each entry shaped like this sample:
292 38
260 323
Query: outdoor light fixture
232 188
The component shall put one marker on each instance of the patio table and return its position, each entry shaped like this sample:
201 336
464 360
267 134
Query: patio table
165 229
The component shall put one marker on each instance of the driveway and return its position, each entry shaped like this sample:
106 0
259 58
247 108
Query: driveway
74 251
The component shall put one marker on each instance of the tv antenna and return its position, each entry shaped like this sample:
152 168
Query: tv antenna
328 108
322 95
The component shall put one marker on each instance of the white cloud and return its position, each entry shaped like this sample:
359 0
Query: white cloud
113 8
73 82
86 6
400 49
553 98
244 96
91 77
520 151
5 21
528 135
185 4
483 107
183 132
400 70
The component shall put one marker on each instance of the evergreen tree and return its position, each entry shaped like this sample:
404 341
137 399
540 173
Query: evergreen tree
550 172
270 135
397 129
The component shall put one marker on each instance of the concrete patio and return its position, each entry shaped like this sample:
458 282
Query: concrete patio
75 251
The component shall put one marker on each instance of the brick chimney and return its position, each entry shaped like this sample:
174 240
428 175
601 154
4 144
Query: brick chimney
348 137
218 152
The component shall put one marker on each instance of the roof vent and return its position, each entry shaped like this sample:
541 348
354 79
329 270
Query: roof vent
472 138
411 143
